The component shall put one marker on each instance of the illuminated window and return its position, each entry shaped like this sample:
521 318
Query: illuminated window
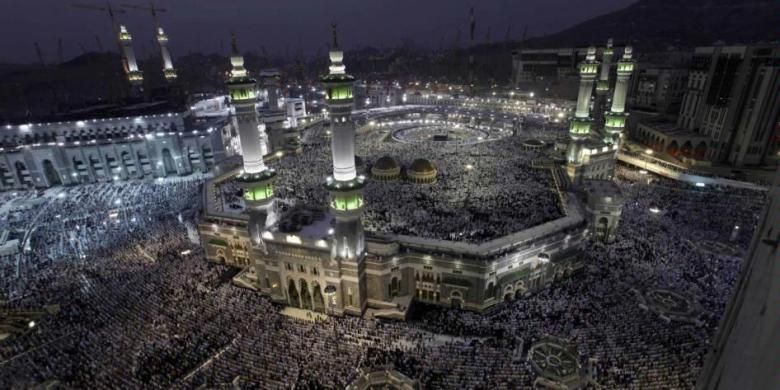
350 202
340 93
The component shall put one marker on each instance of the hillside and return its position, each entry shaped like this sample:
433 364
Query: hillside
659 23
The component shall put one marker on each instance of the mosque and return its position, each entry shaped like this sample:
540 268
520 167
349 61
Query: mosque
321 258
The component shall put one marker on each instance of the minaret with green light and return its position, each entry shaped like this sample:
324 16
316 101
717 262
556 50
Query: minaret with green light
345 186
616 118
579 126
255 177
134 74
602 87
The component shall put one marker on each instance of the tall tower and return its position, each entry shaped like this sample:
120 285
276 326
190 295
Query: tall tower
602 90
255 178
345 186
616 119
168 70
579 126
606 62
134 75
472 27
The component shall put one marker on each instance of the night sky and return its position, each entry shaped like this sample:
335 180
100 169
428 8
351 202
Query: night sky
283 25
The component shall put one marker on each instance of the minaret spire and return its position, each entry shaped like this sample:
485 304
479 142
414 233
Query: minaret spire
255 178
345 186
616 119
335 36
579 126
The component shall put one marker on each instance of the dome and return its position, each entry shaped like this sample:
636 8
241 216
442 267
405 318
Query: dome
385 163
386 168
421 171
422 165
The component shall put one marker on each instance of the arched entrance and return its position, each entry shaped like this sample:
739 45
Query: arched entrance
673 149
168 164
305 296
96 165
520 290
456 300
394 288
602 225
208 157
292 295
490 291
21 173
319 300
687 149
700 151
52 176
128 163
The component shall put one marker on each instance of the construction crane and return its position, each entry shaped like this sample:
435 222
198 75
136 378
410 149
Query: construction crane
38 52
162 39
99 43
150 8
60 51
111 12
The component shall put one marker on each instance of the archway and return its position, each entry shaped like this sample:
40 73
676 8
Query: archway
52 176
168 164
208 157
4 172
687 149
700 151
145 167
673 149
490 291
292 295
395 286
520 289
128 163
456 300
96 165
21 173
601 227
319 301
305 296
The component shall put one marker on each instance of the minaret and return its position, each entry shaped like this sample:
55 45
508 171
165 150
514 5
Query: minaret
579 126
345 186
168 70
602 87
616 119
134 75
472 27
602 90
255 178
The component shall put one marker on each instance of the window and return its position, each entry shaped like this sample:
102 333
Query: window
314 271
301 269
340 93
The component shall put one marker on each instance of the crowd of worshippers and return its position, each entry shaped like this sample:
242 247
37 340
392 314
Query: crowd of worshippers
482 192
143 309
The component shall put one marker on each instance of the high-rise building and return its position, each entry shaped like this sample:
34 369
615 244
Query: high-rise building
345 186
744 354
733 99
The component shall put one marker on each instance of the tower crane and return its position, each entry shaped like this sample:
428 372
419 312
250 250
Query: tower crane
38 52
